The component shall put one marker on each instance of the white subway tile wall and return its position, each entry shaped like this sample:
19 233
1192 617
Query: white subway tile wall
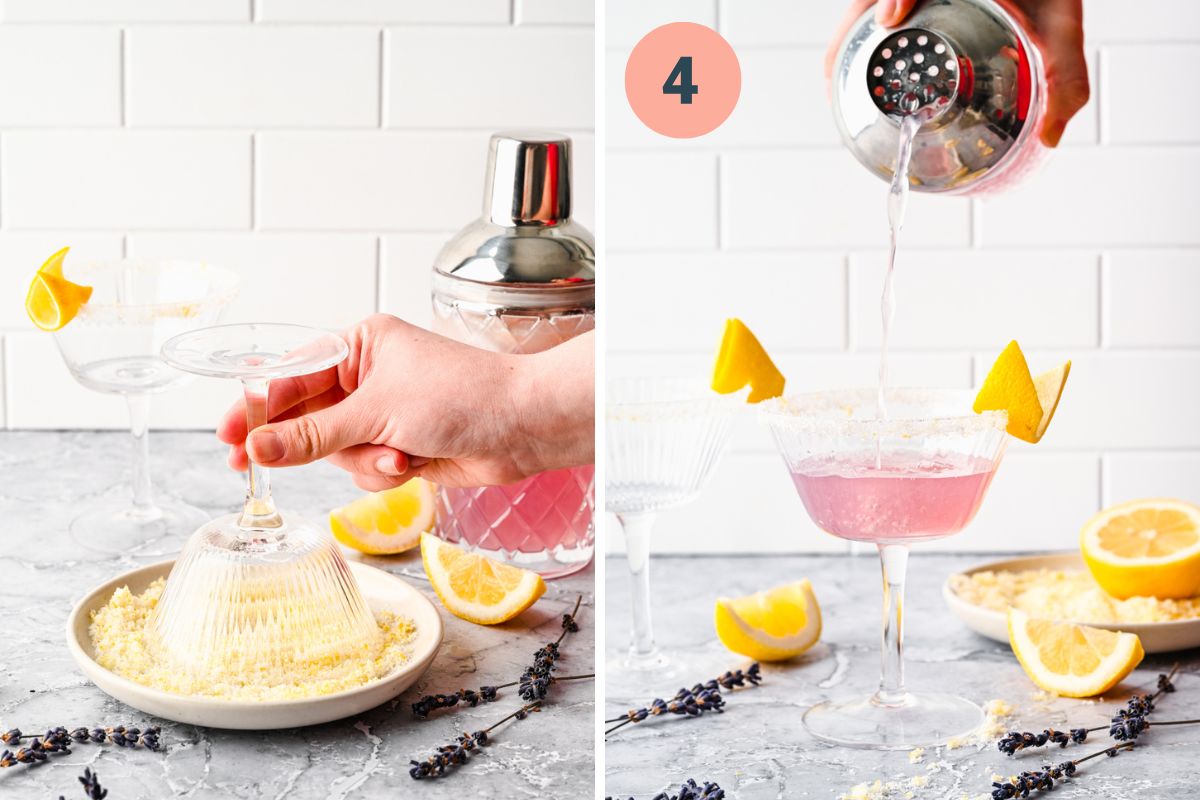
323 149
1096 258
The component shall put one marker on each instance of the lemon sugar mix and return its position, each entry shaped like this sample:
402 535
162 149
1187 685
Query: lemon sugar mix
120 635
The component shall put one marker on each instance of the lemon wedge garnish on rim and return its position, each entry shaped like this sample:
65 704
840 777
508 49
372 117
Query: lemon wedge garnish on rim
1145 548
382 523
1030 402
772 625
53 301
1072 660
477 588
742 361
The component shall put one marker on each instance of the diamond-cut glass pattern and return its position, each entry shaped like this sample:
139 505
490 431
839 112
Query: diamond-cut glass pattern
544 522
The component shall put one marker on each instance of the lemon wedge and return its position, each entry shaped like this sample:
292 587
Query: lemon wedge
742 361
1030 402
53 301
382 523
1072 660
475 587
772 625
1145 548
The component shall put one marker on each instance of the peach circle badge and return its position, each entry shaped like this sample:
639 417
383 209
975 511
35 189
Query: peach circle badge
682 80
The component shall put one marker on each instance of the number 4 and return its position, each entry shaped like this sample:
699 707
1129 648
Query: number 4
682 73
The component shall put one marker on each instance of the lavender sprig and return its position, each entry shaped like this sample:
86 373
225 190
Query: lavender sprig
686 702
534 682
451 755
690 790
1043 779
702 697
59 740
1126 725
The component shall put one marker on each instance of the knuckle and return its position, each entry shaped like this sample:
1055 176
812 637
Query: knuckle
307 435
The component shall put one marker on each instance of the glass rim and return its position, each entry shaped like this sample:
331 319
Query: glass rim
228 283
695 397
815 411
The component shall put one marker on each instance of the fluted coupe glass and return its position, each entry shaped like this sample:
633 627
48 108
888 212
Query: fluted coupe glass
663 440
916 476
260 591
113 346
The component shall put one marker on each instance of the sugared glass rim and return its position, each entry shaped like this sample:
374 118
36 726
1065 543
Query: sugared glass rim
693 398
225 287
829 413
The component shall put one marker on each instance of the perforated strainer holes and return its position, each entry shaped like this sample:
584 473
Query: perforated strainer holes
911 70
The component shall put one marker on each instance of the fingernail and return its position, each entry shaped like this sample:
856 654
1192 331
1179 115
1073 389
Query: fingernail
386 465
884 11
265 446
418 461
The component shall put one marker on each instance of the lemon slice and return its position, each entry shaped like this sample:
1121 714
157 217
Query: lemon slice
382 523
1145 548
772 625
742 361
53 301
1072 660
1030 402
475 587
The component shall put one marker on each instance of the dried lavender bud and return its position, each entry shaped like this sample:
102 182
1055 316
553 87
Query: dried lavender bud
1164 683
569 624
690 790
91 785
1126 726
1079 735
488 693
737 678
11 737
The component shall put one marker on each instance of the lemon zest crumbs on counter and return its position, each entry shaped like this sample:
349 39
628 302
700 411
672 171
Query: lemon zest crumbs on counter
118 632
992 727
881 790
1065 595
916 755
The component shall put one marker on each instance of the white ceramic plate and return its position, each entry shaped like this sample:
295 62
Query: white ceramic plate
382 590
1157 637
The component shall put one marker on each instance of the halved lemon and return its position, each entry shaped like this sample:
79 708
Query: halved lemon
1072 660
742 361
1030 402
382 523
772 625
477 588
1145 548
53 301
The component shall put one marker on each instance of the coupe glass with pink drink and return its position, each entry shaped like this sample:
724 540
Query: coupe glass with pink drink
918 475
521 279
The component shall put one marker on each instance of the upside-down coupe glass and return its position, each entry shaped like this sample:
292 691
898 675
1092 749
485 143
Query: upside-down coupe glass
663 440
112 346
260 591
916 476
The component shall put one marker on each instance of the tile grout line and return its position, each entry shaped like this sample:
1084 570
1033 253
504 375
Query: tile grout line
379 280
720 243
848 282
122 70
382 98
254 181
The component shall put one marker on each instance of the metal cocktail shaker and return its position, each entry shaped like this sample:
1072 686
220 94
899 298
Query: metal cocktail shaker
969 68
521 279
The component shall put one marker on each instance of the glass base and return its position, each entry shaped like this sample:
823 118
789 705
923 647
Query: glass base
112 525
550 564
924 719
630 676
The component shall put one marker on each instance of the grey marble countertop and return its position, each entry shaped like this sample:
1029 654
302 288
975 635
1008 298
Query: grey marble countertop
758 748
46 477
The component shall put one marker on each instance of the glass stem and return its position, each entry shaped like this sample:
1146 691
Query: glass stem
637 550
259 510
139 426
894 560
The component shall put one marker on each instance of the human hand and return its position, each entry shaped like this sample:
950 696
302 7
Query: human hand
1056 27
409 402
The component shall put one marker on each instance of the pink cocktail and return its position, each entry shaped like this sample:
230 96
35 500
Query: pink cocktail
918 474
905 499
546 515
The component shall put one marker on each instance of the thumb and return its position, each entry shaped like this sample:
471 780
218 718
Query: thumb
307 437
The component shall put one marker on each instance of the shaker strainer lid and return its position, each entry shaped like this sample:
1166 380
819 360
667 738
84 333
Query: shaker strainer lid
525 234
